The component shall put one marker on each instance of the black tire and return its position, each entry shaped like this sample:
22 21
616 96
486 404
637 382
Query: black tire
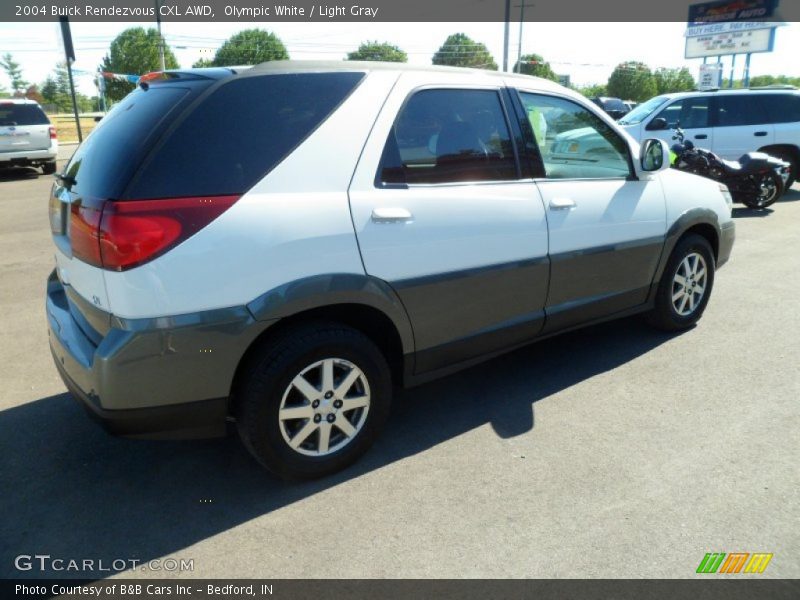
268 376
49 168
757 202
665 315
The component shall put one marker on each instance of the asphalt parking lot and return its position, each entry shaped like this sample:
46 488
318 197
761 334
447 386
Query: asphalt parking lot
611 452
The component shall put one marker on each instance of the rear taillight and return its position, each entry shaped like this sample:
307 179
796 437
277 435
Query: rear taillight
125 234
53 134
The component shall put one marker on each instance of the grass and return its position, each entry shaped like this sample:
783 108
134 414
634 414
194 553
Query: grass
66 128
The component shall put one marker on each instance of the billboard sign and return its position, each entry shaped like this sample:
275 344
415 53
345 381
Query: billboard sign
721 44
727 11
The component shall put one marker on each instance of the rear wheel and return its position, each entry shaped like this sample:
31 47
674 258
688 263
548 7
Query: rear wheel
49 168
768 187
313 401
685 286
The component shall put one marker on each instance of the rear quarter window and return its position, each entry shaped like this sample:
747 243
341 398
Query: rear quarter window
238 133
781 108
12 115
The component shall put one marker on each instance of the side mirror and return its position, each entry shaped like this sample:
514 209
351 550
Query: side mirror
657 124
97 119
654 155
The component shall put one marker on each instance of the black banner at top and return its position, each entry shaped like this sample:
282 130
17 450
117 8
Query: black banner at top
370 10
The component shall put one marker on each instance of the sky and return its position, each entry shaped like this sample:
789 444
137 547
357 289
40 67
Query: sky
588 52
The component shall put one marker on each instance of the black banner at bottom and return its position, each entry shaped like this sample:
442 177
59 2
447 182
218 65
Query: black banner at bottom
404 589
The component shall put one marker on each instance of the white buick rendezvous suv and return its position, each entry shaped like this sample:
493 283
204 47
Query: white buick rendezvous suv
283 246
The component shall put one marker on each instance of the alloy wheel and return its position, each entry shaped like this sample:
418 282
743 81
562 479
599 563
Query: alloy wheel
689 284
324 407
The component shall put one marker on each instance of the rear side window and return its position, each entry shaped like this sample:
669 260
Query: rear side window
733 111
21 114
449 136
104 163
239 133
781 108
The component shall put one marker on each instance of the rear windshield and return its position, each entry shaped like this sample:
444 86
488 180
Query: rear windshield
21 114
106 160
239 133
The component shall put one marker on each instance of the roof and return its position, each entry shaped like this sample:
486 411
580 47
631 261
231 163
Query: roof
17 101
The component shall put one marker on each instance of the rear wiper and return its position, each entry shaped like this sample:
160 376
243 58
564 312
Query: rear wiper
66 180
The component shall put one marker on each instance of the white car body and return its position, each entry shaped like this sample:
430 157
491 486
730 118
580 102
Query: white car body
23 143
499 262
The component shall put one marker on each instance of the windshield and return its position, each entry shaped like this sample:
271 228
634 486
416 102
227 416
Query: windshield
641 112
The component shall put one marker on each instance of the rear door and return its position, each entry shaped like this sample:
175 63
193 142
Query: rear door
740 125
23 127
442 213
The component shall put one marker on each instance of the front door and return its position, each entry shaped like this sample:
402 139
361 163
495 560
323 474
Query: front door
606 227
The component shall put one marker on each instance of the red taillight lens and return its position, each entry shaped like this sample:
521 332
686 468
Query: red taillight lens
132 232
53 134
84 225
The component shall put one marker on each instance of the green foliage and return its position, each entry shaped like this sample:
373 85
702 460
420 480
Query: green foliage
593 91
379 52
250 47
12 69
203 63
761 80
135 51
533 64
459 50
55 91
673 80
632 81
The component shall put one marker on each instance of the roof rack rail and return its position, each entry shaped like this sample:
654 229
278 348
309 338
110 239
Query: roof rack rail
774 86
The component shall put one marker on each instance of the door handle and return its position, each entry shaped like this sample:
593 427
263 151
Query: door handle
701 136
562 204
760 133
391 214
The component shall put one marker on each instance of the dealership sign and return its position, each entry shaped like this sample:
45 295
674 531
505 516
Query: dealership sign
721 44
726 27
710 76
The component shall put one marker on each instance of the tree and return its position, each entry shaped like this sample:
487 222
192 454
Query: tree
250 47
203 63
593 91
135 51
33 93
55 90
673 80
459 50
533 64
378 51
12 69
632 81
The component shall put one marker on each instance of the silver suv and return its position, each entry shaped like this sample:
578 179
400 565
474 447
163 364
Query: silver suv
27 139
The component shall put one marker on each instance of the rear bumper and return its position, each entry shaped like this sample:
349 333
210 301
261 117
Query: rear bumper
165 379
727 235
25 158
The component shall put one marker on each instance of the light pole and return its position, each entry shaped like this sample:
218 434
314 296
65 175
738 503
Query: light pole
521 21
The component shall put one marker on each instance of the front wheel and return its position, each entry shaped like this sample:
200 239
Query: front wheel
685 286
313 400
768 188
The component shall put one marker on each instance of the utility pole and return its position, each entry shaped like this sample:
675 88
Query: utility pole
160 39
69 53
505 36
521 21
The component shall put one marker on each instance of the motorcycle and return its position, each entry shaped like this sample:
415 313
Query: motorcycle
755 180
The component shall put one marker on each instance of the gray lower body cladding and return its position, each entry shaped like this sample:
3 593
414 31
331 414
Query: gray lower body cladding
151 377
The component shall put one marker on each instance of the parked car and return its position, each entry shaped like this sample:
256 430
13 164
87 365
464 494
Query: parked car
283 246
730 123
630 104
613 106
27 139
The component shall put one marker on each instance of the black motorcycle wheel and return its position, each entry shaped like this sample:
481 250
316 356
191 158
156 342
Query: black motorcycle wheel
769 188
